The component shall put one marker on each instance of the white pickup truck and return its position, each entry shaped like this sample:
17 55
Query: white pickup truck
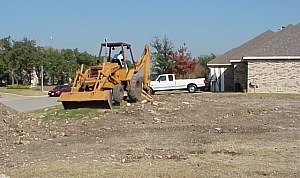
168 82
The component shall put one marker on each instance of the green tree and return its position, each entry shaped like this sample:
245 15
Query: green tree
84 58
162 57
25 54
5 47
60 66
19 59
53 66
203 60
8 63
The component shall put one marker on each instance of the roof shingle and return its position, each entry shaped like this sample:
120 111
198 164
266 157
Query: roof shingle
282 43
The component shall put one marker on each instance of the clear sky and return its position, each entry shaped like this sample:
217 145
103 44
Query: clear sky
206 26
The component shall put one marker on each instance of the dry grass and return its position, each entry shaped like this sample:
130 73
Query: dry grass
228 156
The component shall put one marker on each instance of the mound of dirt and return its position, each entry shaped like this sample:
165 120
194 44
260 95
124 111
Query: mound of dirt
179 135
9 124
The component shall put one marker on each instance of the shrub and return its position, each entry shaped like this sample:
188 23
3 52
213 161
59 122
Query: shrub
17 87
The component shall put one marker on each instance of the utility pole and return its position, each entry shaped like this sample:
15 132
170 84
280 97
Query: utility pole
42 66
42 76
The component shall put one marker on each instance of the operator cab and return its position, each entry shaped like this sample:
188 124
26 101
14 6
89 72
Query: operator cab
120 53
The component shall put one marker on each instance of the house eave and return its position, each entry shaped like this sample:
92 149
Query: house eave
235 60
218 64
271 58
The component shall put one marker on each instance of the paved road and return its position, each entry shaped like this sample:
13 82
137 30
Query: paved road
27 103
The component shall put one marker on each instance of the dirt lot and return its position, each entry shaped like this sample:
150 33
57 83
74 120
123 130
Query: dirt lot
180 135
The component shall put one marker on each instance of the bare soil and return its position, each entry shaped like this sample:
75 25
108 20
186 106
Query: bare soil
179 135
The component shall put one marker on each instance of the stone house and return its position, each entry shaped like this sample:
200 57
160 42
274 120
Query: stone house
268 63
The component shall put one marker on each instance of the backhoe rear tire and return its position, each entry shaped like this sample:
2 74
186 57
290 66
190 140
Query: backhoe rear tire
118 94
135 91
152 92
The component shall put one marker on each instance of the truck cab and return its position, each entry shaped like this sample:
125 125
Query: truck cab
164 82
168 82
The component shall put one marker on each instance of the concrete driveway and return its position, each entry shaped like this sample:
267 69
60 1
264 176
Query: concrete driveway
27 103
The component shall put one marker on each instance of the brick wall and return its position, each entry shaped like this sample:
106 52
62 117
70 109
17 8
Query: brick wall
240 76
229 79
274 76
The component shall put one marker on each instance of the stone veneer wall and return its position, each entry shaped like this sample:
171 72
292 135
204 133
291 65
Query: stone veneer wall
274 76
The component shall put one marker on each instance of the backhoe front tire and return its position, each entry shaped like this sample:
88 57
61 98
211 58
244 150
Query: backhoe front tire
118 94
135 91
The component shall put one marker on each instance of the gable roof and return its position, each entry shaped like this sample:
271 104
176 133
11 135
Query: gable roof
285 43
269 43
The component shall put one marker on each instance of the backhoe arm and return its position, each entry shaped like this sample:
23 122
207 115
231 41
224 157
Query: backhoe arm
144 63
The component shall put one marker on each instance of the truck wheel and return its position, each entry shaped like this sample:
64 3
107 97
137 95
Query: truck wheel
118 94
192 88
135 91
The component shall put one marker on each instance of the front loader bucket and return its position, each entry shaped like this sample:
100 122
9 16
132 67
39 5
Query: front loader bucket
98 99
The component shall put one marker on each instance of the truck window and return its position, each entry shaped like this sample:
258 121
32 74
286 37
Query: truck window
170 77
162 78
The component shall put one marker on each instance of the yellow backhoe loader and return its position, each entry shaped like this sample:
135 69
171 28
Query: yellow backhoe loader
110 82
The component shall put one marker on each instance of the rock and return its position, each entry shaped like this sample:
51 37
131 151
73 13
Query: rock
4 120
155 103
154 113
105 112
186 103
4 176
63 134
106 128
250 111
219 130
156 120
42 116
144 101
159 157
20 140
276 109
9 165
226 116
128 104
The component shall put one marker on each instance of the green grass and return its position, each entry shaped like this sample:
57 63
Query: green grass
58 113
284 95
18 87
280 95
34 91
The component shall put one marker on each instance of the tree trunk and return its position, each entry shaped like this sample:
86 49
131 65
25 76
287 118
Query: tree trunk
12 80
11 73
29 77
52 80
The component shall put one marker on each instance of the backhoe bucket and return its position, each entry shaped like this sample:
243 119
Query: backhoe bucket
98 99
